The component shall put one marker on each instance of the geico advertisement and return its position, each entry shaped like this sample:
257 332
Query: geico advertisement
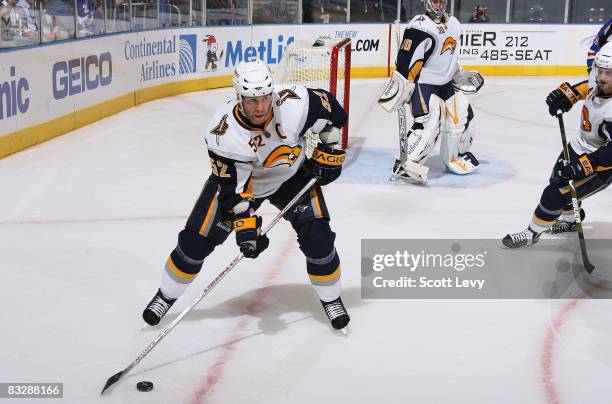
65 78
81 74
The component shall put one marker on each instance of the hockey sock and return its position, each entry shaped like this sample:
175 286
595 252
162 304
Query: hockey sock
324 274
184 263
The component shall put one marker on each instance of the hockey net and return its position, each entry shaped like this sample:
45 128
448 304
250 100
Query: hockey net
324 63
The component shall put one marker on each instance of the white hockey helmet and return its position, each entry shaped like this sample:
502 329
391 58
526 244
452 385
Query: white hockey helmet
252 79
603 58
435 14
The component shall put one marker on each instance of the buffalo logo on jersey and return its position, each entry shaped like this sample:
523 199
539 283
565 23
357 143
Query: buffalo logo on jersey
283 155
286 94
221 128
449 43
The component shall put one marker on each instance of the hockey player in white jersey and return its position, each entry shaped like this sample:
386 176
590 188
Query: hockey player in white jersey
590 165
256 147
429 78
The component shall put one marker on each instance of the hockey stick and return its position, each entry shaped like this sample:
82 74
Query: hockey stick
566 156
401 112
117 376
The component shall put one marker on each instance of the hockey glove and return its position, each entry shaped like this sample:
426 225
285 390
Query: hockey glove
562 98
576 170
248 235
325 163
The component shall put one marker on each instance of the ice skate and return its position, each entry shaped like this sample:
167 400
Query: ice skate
157 308
466 163
336 313
409 172
565 226
521 239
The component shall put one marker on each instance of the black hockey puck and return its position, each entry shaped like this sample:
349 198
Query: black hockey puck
144 386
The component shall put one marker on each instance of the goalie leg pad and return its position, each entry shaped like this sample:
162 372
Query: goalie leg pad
425 131
458 136
396 93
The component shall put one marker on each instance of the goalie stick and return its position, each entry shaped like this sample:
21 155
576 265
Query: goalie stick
566 156
117 376
401 112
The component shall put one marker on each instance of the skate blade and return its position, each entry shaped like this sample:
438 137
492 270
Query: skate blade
407 180
344 332
503 247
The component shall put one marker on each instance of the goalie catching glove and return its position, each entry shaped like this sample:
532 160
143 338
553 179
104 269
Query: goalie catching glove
325 163
467 81
248 235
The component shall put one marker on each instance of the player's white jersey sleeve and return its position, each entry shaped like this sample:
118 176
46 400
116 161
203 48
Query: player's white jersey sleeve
429 51
595 118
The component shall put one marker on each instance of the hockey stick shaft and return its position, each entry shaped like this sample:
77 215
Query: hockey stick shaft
116 377
403 139
566 155
401 112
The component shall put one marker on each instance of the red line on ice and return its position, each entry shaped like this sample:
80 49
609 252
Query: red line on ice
215 372
548 351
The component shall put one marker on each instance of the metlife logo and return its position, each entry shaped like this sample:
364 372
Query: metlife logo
187 54
270 50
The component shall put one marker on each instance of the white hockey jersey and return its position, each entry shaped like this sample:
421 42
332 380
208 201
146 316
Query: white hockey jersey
253 162
429 51
595 122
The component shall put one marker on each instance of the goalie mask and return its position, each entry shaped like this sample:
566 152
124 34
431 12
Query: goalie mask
436 15
252 79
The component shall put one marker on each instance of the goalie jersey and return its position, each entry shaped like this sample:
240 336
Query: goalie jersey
595 132
429 51
250 161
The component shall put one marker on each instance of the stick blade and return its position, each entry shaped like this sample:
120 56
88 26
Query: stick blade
588 266
112 380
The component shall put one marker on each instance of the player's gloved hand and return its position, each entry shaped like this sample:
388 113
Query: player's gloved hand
248 235
576 170
325 163
562 98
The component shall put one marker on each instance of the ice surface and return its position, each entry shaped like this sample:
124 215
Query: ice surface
87 221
